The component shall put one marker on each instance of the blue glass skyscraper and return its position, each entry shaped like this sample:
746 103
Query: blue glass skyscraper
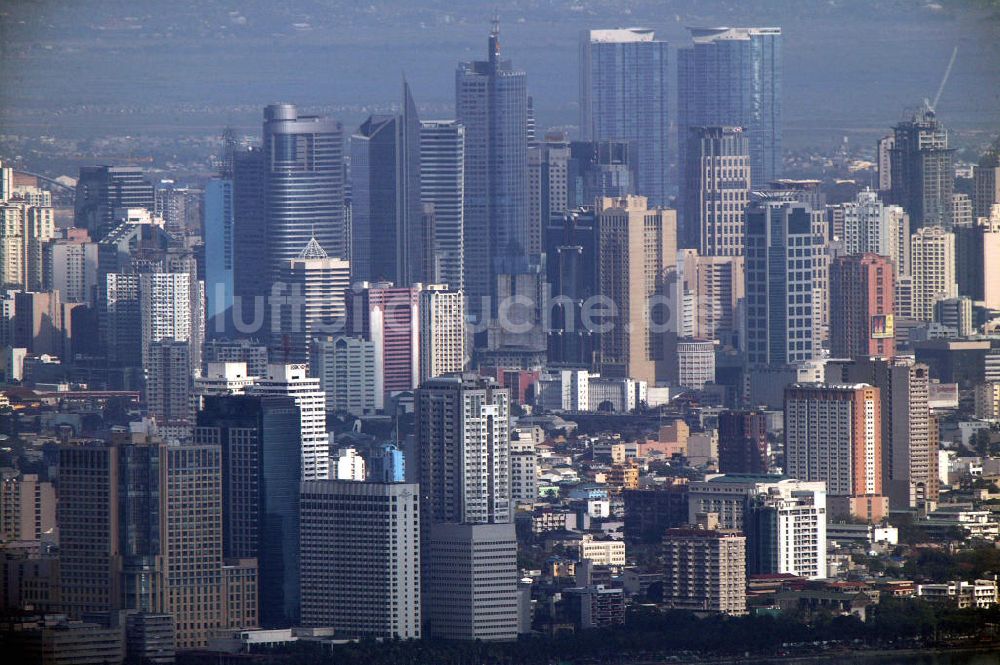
733 76
623 97
491 101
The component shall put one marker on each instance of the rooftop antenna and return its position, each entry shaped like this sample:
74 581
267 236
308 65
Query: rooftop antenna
495 37
944 80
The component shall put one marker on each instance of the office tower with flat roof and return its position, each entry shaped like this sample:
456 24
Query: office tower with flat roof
785 282
347 371
715 190
259 439
389 316
360 558
491 101
711 294
246 351
386 213
909 438
977 260
705 570
923 176
250 279
442 331
599 169
833 433
294 381
442 186
743 446
548 182
219 247
71 269
932 271
462 423
883 149
304 183
733 76
786 533
955 314
862 292
102 190
315 290
623 97
636 249
986 182
168 387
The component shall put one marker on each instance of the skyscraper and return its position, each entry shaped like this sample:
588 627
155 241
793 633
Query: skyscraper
462 430
636 247
932 254
389 317
442 186
623 97
491 101
909 439
785 282
733 76
250 279
220 247
872 226
986 176
786 533
304 183
743 442
347 371
260 443
923 177
705 570
833 433
361 558
101 190
386 216
293 381
442 331
715 190
315 291
862 293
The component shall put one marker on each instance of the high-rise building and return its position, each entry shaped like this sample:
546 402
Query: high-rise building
251 281
442 185
623 97
347 371
636 250
259 439
923 177
462 431
909 439
389 317
27 507
961 209
386 217
833 433
168 387
245 351
442 331
987 400
977 260
955 314
871 226
733 76
986 176
862 292
71 269
171 306
220 248
294 381
548 186
715 191
24 231
360 554
786 533
304 183
705 570
315 290
599 169
386 463
710 293
883 148
743 446
785 282
102 190
491 101
932 271
695 363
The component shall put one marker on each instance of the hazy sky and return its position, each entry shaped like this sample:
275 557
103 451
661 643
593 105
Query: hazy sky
93 67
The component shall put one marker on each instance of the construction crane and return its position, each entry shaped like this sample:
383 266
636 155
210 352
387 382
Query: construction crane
944 80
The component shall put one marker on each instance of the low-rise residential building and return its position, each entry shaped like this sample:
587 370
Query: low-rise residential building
979 594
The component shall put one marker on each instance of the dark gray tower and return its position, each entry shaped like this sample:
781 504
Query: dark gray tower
491 100
923 177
